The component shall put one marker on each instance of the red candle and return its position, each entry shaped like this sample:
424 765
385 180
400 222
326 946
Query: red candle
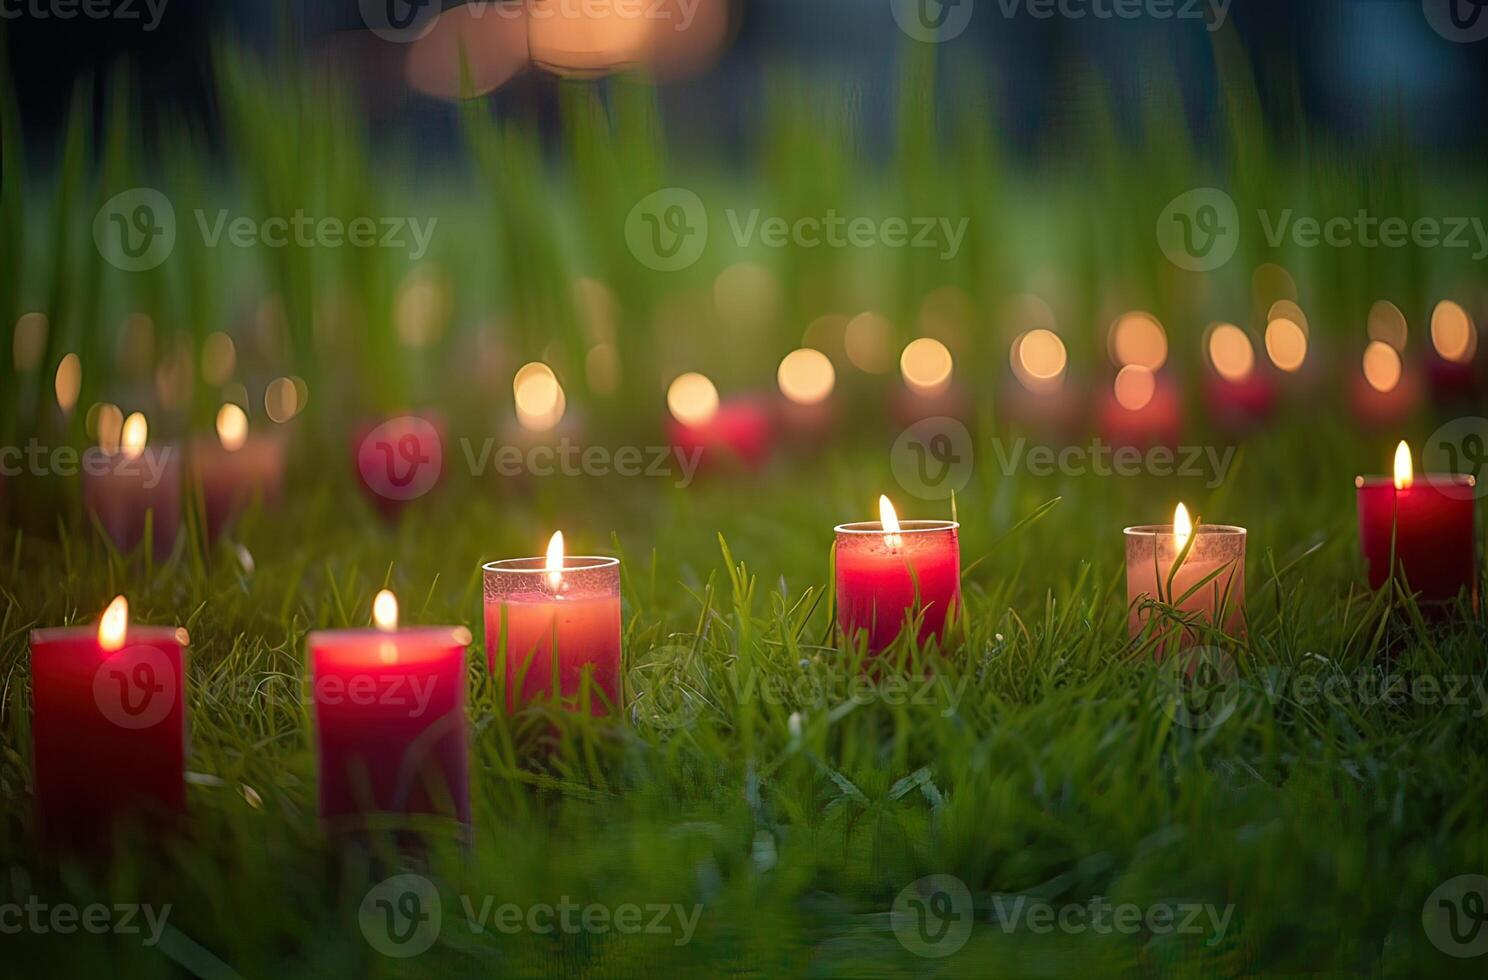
1428 522
235 470
889 569
1385 392
553 629
732 432
390 716
122 487
108 727
400 460
1142 409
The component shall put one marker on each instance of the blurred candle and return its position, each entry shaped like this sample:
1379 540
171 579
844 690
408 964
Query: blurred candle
108 727
1454 346
124 485
390 720
235 469
1427 522
737 431
1239 394
1384 392
1141 409
553 629
1213 571
889 569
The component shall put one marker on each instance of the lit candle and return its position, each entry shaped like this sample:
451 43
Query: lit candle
1239 392
1385 391
108 727
1427 522
1141 409
889 570
123 484
1207 586
235 470
720 432
390 716
553 629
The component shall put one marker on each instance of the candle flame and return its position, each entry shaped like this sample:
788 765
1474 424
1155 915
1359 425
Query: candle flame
554 563
232 427
889 520
1405 473
134 435
1182 527
385 611
114 625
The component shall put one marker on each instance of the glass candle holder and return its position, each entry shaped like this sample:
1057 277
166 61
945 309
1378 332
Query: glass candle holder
547 630
1217 560
882 577
1429 525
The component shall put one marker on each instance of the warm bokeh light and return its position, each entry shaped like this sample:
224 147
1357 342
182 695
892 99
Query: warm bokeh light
1135 387
29 345
219 359
468 51
1405 471
946 314
106 423
581 40
539 398
1382 366
554 561
1231 352
692 399
114 626
806 376
174 374
746 296
826 333
1024 313
1285 309
134 435
385 611
232 427
1182 527
1138 339
1271 283
1286 343
1387 325
1453 333
69 382
868 341
282 400
1039 359
421 308
598 308
602 369
926 366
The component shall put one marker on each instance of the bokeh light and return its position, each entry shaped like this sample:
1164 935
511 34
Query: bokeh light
692 399
1230 352
1453 333
68 382
746 296
106 424
1285 309
1039 360
232 427
219 359
602 369
1137 338
1387 325
468 51
1286 343
1135 387
926 365
29 345
1382 366
868 341
539 398
806 376
422 308
282 400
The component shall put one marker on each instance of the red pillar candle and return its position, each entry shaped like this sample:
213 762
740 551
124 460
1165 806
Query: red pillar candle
108 727
736 432
1141 409
235 470
889 569
1428 521
1217 560
121 487
390 719
550 622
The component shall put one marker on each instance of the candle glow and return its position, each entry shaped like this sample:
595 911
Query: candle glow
232 427
890 521
1405 475
114 625
1182 527
554 560
134 435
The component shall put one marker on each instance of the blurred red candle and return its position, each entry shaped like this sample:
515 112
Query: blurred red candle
553 622
735 431
235 470
125 484
1428 521
390 719
1141 409
108 727
889 569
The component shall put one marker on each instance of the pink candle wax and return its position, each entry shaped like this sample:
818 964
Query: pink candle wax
1141 410
229 480
390 719
1217 555
108 728
738 433
549 624
120 489
1429 524
884 576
